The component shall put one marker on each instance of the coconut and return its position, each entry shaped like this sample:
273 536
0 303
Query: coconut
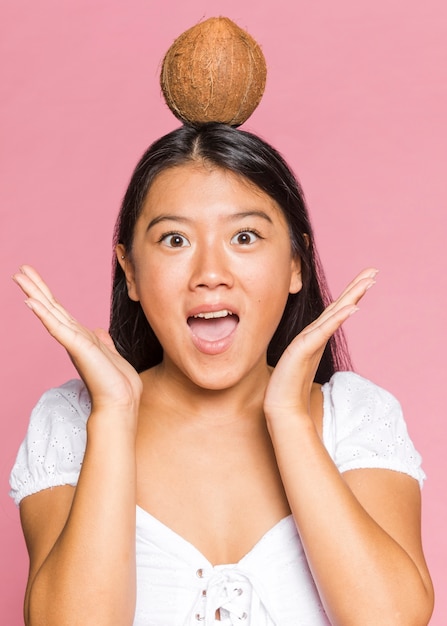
213 72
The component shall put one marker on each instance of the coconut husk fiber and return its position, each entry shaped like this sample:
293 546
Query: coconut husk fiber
213 72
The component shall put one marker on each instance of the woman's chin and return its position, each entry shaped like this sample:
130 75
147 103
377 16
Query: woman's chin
222 375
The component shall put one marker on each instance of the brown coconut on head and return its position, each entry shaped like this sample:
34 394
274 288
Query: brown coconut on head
213 72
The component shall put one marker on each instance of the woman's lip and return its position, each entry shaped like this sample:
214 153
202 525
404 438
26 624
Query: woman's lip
211 308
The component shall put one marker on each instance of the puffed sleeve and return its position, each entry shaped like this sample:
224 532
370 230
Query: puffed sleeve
363 427
53 449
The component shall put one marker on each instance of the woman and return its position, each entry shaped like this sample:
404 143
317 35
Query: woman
216 466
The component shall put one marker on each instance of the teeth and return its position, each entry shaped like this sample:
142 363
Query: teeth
215 314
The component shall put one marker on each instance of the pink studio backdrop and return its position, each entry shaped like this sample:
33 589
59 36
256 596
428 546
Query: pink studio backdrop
356 100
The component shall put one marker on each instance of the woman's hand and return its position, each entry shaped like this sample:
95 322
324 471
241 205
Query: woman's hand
112 382
288 392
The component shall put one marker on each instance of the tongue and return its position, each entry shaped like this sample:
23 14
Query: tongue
213 329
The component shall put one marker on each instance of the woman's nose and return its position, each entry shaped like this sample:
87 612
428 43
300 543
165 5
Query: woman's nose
211 268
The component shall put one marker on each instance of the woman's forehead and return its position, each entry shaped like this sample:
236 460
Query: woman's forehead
197 183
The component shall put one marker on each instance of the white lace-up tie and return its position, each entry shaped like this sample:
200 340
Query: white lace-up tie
236 593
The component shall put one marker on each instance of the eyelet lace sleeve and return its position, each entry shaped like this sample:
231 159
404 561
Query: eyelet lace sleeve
364 427
53 449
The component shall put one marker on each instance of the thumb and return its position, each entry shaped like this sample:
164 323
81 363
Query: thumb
105 338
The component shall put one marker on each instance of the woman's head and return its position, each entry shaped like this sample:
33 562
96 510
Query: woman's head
247 156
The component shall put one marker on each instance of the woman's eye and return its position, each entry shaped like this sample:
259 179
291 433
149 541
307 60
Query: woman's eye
174 240
244 238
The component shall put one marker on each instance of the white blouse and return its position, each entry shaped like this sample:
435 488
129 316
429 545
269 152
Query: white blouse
363 427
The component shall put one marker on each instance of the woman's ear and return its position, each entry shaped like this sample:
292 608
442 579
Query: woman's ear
296 282
296 279
129 271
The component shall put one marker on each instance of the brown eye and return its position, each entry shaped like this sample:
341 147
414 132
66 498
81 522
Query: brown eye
244 238
175 240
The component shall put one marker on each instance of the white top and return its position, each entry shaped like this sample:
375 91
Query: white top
363 427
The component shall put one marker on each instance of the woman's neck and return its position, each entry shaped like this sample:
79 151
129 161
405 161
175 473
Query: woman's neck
170 394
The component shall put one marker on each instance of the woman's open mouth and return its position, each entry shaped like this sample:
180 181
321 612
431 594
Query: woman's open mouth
212 331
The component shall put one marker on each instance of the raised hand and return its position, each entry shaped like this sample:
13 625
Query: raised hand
112 382
288 392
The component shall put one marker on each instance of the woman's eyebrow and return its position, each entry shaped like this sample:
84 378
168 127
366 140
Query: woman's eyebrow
252 213
167 218
233 217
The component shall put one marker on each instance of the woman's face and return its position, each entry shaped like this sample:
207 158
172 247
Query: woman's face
211 265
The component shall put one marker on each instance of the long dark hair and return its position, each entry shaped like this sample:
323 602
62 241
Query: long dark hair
251 157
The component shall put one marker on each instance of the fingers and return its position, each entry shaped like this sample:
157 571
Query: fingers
348 299
356 288
112 382
36 289
291 382
315 336
58 322
59 329
36 280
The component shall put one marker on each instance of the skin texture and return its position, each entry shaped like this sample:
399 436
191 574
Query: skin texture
209 269
243 441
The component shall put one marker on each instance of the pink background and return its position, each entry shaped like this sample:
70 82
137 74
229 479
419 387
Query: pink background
356 100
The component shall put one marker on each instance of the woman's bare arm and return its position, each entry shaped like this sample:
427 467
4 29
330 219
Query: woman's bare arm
81 541
360 530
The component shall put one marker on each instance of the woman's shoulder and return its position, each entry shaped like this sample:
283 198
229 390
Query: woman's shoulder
68 404
350 393
352 402
364 426
72 393
52 451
